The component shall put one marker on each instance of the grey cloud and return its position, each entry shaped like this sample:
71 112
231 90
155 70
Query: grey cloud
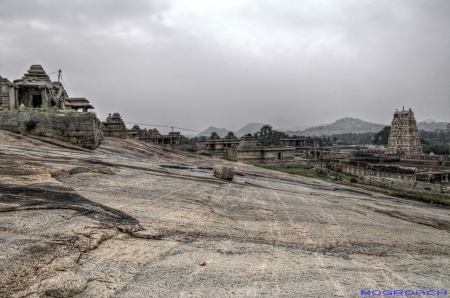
285 63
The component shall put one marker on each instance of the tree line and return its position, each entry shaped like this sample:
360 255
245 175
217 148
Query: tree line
432 141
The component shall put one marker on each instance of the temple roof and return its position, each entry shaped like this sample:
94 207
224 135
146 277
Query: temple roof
36 71
231 136
79 102
214 136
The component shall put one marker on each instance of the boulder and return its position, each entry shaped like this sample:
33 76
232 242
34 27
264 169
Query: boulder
223 172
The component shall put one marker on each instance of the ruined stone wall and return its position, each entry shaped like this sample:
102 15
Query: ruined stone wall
427 160
406 184
362 169
272 156
231 152
82 129
249 155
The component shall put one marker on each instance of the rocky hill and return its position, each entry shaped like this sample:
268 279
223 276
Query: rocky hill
344 125
249 128
222 132
431 126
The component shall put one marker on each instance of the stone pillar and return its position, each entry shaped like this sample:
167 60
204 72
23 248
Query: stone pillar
16 99
44 98
12 97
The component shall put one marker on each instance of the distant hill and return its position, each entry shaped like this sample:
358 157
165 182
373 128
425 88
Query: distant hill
431 126
296 128
222 132
249 128
344 125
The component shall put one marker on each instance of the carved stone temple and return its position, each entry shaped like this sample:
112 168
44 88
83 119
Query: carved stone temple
404 138
36 90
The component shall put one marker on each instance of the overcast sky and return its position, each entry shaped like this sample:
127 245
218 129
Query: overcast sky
193 64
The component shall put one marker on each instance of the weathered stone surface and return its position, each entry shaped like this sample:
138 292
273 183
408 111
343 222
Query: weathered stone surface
59 126
265 238
23 117
223 172
8 119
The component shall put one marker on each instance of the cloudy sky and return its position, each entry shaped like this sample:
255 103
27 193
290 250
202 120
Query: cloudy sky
193 63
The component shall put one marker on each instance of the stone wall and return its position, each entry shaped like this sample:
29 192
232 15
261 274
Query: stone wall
427 160
249 155
406 184
82 129
278 155
362 169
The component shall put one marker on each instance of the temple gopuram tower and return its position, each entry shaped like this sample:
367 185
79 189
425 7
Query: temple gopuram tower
404 138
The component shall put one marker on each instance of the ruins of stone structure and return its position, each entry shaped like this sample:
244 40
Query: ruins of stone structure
76 104
219 146
390 172
248 151
114 127
81 129
404 138
33 90
294 141
36 90
155 137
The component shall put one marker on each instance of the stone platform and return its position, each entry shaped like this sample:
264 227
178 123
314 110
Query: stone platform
82 129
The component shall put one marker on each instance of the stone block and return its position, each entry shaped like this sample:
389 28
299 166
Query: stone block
72 120
79 127
223 172
23 117
75 133
9 119
41 118
86 120
9 128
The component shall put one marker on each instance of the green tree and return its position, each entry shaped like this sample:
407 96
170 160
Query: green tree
193 141
381 137
267 136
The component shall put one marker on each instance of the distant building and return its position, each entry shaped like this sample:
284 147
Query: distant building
219 146
404 138
248 151
114 127
153 136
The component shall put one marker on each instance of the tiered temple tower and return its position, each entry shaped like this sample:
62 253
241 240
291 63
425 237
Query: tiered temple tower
404 138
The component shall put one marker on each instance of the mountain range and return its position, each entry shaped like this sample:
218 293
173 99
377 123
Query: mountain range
432 126
222 132
344 125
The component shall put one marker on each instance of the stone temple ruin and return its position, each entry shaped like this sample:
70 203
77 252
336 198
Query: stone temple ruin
114 127
36 90
154 137
24 105
404 138
402 165
247 150
218 146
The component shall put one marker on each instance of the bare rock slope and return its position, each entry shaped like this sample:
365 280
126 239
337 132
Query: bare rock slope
136 220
